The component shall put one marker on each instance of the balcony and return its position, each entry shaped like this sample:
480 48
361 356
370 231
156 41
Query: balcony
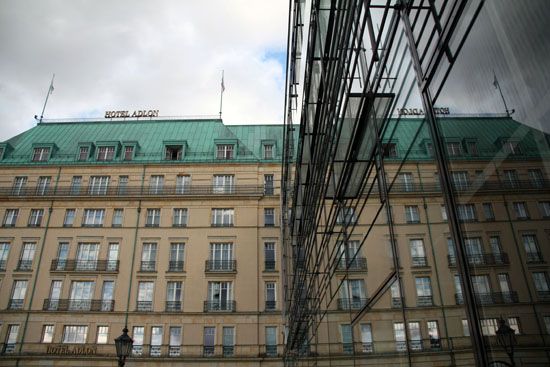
347 348
357 264
84 265
144 306
483 259
543 296
534 258
175 266
208 351
271 351
148 266
228 350
490 298
270 305
269 265
351 303
220 266
174 351
173 306
220 306
15 304
24 265
419 261
424 301
78 305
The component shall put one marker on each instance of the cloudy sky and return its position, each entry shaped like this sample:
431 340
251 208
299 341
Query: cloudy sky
136 54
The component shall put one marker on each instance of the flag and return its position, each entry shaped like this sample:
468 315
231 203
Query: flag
223 85
51 88
495 80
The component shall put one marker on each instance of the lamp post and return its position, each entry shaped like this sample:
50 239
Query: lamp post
123 346
506 339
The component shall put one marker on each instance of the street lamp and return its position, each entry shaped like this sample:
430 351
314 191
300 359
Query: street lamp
506 339
123 346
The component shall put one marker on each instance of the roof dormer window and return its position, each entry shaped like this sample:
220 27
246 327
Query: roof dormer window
224 151
173 152
511 147
106 153
41 154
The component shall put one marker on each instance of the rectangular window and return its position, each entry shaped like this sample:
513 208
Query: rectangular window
40 154
541 283
81 295
83 153
177 257
175 341
183 184
69 217
433 334
173 152
87 255
547 324
75 334
153 218
418 254
389 150
270 296
138 333
224 151
35 217
47 333
466 212
156 341
423 291
112 256
107 295
444 213
536 178
511 148
18 294
405 181
11 338
148 257
544 207
220 296
465 328
27 256
488 211
472 148
496 248
19 184
520 208
454 149
366 338
10 217
346 216
532 250
4 252
269 217
511 179
102 335
106 153
173 296
271 341
481 285
268 151
415 336
228 340
93 217
223 184
460 180
179 217
269 256
348 256
412 214
55 294
118 214
208 341
122 185
222 217
43 185
268 185
347 338
352 294
98 185
128 153
221 257
145 296
399 336
156 184
76 181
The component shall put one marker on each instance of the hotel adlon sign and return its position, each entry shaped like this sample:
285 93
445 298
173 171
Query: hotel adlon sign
136 113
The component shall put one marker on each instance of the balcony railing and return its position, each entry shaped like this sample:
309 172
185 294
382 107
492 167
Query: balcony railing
15 304
490 298
221 305
419 261
24 265
271 350
396 302
483 259
269 265
534 258
220 265
423 301
144 306
175 266
173 306
270 305
228 350
78 305
351 303
84 265
474 186
543 296
357 264
208 350
148 266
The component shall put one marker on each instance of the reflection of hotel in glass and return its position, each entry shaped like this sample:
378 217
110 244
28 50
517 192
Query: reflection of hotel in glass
411 236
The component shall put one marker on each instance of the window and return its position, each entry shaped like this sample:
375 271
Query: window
86 256
271 340
269 256
504 285
75 185
222 217
128 153
55 295
395 291
389 150
98 185
496 249
348 256
173 152
488 211
180 217
176 257
27 256
270 296
156 341
490 326
511 178
35 218
458 290
430 149
268 151
10 217
62 255
352 294
183 184
153 218
268 185
43 185
347 339
418 254
221 257
224 151
4 252
156 184
148 257
405 181
444 213
411 214
175 341
366 338
47 333
106 153
107 295
472 148
122 185
11 338
40 154
423 291
18 295
415 336
466 212
83 153
112 256
433 334
75 334
117 217
532 249
102 335
19 184
521 210
474 250
81 295
547 324
460 180
454 149
465 328
173 296
511 148
138 333
346 216
228 340
399 336
69 217
93 217
482 286
223 184
269 217
145 296
208 341
220 296
536 178
544 207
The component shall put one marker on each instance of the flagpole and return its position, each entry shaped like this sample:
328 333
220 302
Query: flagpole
50 90
222 88
497 85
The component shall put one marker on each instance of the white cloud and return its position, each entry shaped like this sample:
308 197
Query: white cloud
166 55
